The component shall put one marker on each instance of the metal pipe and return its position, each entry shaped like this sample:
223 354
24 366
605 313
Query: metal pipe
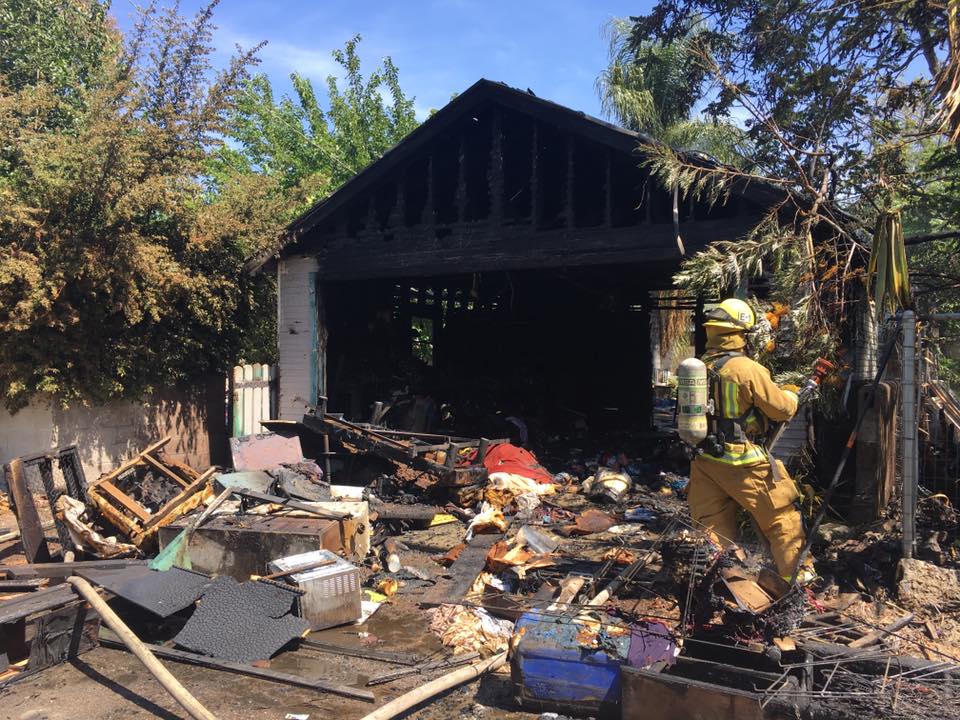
908 407
939 316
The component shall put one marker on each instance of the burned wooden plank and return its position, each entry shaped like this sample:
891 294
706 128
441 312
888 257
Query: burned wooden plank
241 669
608 188
107 488
568 215
24 585
61 570
390 657
518 247
464 571
876 636
534 180
495 181
292 504
36 602
164 470
31 529
170 511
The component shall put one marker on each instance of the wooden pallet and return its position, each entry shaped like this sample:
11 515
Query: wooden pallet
131 518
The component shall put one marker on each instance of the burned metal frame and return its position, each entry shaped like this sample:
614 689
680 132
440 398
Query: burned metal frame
408 448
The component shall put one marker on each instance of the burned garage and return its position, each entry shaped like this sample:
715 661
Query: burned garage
499 262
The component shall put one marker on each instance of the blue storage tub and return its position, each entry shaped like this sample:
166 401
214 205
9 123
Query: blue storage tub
551 668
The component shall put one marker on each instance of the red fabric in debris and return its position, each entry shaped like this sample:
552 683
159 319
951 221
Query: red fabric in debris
517 461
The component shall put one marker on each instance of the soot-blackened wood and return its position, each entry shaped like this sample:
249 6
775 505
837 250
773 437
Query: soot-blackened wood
428 211
242 669
608 188
461 194
495 176
36 602
534 184
31 529
568 214
58 571
478 247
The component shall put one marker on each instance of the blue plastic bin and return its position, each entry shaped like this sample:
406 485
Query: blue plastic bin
552 670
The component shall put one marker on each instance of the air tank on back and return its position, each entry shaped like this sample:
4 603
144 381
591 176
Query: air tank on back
692 396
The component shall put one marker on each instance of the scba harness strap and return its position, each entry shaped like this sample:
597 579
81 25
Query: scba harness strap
724 428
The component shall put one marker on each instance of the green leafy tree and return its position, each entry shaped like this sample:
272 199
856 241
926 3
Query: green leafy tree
300 144
119 272
843 105
61 44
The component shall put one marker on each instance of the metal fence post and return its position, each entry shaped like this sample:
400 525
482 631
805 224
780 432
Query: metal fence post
909 417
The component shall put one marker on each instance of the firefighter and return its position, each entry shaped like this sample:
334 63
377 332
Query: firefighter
736 470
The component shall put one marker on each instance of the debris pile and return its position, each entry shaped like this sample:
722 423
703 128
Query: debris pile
584 592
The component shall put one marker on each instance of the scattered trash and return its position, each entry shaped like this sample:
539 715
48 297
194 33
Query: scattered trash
592 521
471 630
73 513
539 541
388 587
640 515
607 484
488 520
588 582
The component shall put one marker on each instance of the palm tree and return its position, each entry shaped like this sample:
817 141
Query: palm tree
653 88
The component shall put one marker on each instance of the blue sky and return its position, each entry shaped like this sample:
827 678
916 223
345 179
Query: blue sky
440 46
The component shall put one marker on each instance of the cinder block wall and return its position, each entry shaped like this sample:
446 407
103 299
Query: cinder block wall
107 435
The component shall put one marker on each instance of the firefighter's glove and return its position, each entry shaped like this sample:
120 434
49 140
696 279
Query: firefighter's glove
790 388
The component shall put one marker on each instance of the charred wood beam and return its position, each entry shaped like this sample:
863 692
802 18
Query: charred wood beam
476 248
57 571
396 219
241 669
495 176
569 219
427 218
534 181
370 224
608 189
461 192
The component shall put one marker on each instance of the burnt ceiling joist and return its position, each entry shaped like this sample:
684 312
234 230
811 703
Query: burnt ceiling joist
500 179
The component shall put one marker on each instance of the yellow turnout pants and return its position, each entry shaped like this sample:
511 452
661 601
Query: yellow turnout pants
716 489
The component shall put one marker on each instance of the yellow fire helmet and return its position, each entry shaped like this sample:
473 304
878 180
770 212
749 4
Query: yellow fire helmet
732 313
